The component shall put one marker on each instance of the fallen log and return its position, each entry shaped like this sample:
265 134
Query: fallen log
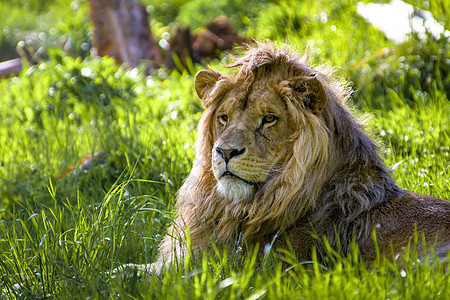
10 68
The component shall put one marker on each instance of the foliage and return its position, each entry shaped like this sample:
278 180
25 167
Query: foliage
64 237
240 12
439 8
322 26
163 11
410 69
56 23
195 13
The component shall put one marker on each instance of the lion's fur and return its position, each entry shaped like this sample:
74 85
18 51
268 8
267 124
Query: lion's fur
330 185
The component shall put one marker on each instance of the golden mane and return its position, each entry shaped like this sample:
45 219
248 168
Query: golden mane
332 179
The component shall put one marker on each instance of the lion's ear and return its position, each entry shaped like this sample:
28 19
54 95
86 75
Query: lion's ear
312 91
204 82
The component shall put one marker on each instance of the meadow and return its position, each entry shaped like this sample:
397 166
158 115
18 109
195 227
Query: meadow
63 231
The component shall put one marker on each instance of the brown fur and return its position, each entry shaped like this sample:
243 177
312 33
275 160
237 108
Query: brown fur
320 176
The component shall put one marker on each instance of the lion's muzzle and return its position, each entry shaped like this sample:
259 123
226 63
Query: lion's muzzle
228 154
231 180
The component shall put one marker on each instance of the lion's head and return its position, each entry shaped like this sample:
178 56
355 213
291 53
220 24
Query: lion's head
262 139
252 126
252 133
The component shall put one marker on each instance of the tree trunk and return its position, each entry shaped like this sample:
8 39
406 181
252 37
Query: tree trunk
122 31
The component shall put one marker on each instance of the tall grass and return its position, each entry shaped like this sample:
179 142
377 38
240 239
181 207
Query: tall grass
63 233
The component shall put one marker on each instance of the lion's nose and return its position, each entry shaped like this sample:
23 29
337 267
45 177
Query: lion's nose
228 154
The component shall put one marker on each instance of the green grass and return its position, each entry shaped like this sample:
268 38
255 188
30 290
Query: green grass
62 238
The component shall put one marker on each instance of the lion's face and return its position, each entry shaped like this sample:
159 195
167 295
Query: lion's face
252 138
252 129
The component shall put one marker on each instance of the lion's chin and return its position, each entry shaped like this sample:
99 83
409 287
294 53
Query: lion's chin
234 189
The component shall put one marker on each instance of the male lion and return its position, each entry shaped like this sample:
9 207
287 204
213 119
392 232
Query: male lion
280 158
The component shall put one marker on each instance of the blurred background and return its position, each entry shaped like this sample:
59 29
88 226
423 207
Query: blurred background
367 40
342 32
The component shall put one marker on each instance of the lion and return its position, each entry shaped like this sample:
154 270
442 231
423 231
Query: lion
280 160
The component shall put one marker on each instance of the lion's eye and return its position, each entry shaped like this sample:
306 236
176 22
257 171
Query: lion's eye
269 119
223 119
